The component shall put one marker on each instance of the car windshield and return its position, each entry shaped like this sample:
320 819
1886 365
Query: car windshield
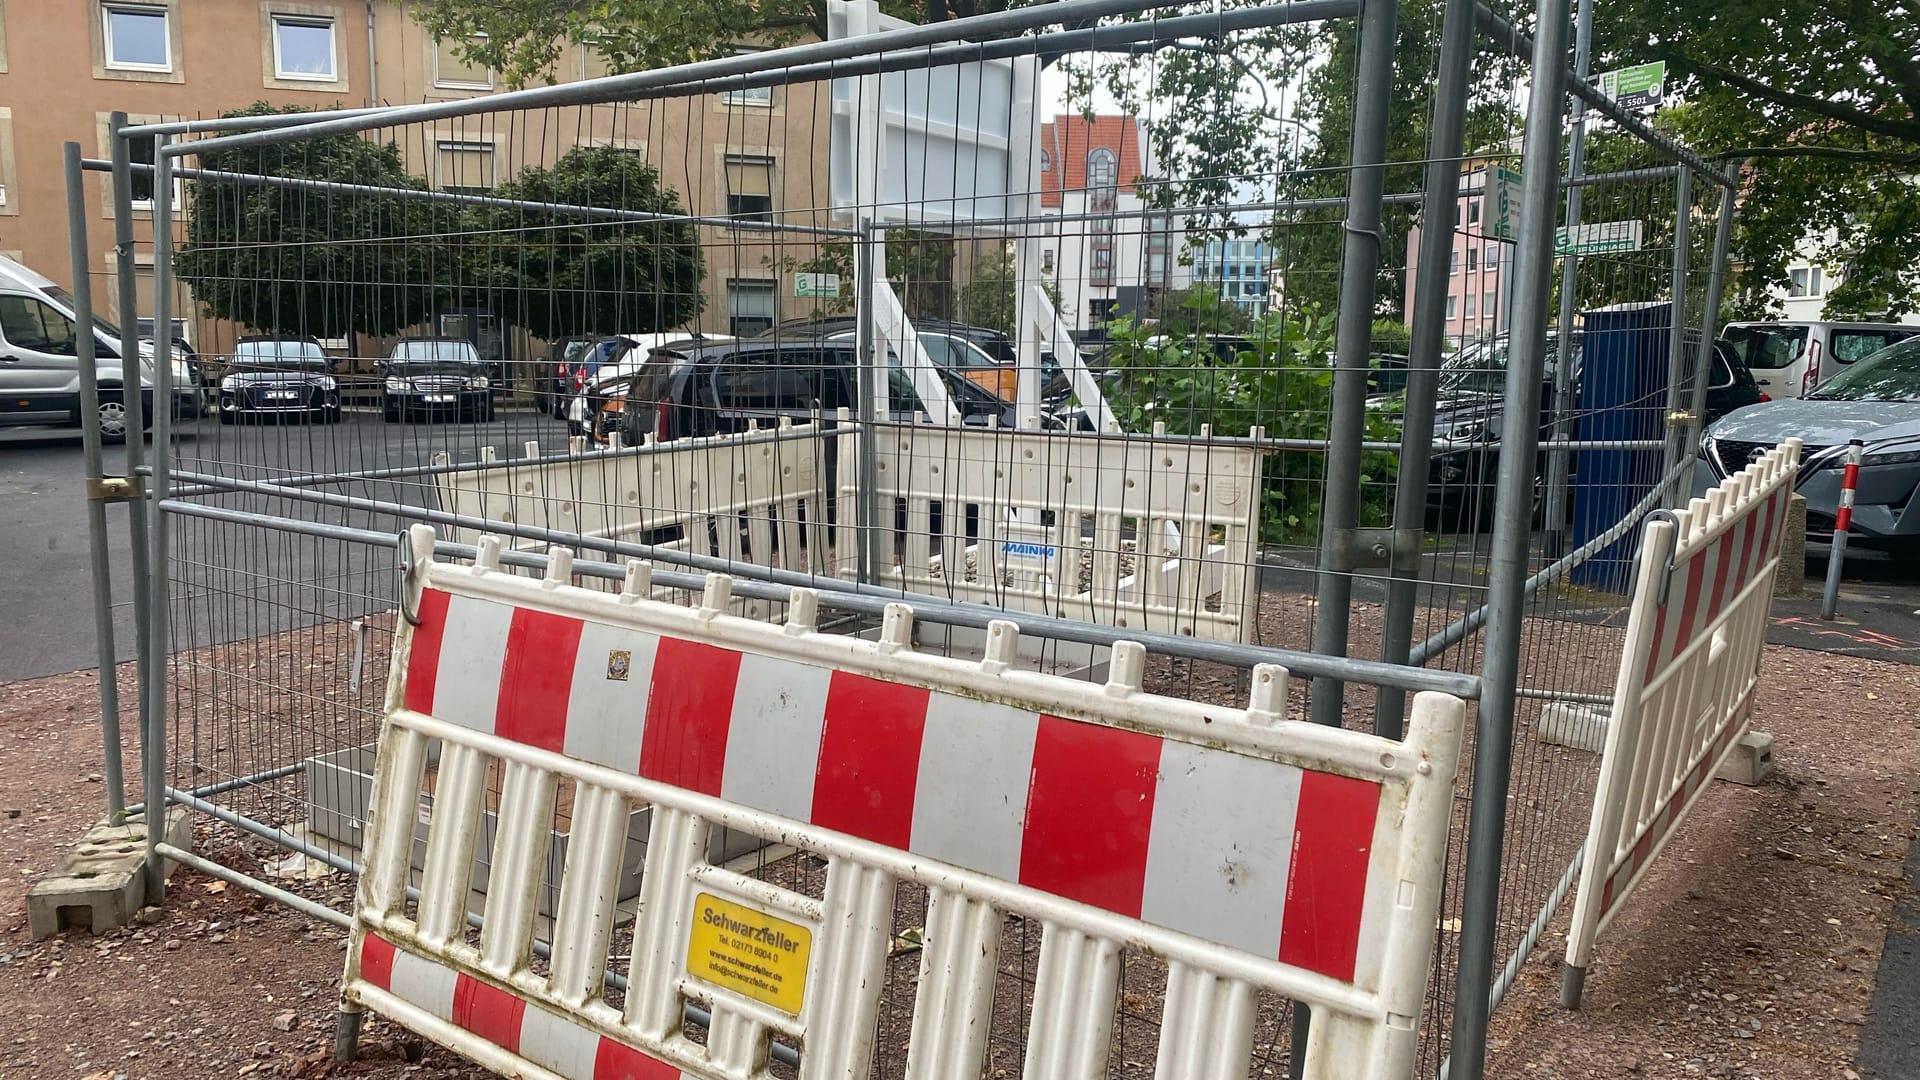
104 325
1767 347
278 354
1481 368
417 352
1892 374
575 348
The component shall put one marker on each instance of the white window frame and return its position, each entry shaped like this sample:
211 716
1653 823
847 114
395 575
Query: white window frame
112 7
752 97
1453 307
277 19
441 83
757 287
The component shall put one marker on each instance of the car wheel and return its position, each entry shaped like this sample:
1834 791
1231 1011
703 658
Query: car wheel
113 417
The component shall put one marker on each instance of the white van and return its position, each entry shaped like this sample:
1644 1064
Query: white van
1789 358
39 359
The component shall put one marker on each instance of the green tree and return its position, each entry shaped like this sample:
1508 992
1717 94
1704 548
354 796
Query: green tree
524 40
1818 104
570 273
990 296
297 260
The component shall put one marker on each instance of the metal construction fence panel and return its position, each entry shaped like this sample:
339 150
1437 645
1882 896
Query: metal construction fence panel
1155 533
1328 367
1687 678
1248 852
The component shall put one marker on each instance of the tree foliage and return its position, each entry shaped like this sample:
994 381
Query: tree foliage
526 40
1281 381
571 273
287 259
296 260
1818 103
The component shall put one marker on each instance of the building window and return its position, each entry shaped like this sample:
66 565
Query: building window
1469 313
1046 261
747 95
1453 262
1473 259
303 48
1046 162
750 188
1803 281
1473 211
1102 311
136 37
1101 272
1103 169
451 72
750 306
1453 306
466 168
1487 305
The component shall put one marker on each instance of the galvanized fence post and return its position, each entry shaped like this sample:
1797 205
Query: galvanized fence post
1560 461
1676 339
1709 321
1346 429
1445 143
1508 564
872 369
155 776
97 489
127 296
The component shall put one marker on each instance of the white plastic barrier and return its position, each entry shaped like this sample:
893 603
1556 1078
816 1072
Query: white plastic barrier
1688 670
755 498
1248 852
1154 534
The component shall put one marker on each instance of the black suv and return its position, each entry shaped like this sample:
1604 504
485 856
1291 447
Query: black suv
731 386
1472 396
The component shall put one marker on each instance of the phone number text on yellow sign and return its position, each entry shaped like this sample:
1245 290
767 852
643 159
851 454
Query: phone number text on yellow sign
749 952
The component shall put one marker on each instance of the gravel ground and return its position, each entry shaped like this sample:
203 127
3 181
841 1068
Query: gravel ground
1749 951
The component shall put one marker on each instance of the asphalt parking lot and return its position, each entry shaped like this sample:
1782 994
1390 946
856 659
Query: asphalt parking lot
46 591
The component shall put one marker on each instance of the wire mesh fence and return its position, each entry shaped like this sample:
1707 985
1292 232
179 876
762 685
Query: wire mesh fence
709 320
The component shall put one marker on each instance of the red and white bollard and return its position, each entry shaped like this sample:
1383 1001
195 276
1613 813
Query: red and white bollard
1842 521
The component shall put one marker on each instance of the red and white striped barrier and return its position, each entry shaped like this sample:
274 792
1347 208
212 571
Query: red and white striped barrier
1248 851
1684 694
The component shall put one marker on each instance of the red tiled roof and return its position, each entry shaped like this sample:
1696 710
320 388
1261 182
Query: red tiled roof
1068 139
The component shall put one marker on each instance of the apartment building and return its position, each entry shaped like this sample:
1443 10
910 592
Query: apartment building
1237 269
1478 268
751 156
1109 253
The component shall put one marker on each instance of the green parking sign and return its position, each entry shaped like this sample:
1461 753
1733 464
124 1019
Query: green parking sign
1636 87
1501 220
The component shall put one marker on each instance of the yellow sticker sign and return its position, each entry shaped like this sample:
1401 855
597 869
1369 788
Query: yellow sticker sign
749 952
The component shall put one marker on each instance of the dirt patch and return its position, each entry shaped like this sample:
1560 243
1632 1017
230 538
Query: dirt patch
1725 962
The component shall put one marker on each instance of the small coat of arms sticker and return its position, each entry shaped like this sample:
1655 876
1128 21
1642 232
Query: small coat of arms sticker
619 663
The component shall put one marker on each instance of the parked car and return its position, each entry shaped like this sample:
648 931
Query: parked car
279 376
436 376
1789 358
1468 414
559 379
611 357
715 389
1876 400
984 356
40 361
